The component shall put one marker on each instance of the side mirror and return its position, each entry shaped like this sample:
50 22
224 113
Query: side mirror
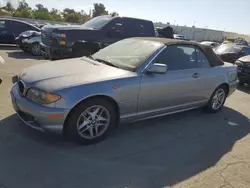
157 68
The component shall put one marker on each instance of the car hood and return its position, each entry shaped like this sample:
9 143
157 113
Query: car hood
70 72
56 28
245 58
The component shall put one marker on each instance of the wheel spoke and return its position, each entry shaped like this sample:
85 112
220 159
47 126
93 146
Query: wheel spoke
100 118
82 131
83 124
91 132
94 113
214 104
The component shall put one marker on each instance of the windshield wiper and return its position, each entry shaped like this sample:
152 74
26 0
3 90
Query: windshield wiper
106 62
91 57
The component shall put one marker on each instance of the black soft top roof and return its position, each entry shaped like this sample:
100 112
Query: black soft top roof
213 59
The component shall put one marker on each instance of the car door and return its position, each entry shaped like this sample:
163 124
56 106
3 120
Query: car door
5 35
176 90
113 32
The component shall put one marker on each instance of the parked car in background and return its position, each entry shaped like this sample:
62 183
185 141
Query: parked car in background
231 52
74 41
130 80
240 41
210 44
243 64
167 32
181 37
29 41
10 29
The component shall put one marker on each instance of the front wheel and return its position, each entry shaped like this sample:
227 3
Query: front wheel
217 99
36 49
91 121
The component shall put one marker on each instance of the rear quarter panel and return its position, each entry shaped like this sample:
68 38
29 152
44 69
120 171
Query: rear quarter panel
215 76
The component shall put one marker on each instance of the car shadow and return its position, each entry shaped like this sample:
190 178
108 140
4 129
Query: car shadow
8 47
152 153
23 55
244 88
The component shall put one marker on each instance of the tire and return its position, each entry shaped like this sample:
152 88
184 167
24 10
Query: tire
75 118
36 49
219 91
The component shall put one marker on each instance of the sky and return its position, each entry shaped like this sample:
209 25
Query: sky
228 15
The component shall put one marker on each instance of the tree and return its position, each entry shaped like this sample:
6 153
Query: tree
84 17
23 5
42 13
99 9
9 7
24 13
40 7
56 15
70 15
114 14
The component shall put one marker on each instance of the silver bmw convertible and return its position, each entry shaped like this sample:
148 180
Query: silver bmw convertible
130 80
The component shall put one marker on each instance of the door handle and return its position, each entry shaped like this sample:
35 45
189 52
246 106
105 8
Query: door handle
196 75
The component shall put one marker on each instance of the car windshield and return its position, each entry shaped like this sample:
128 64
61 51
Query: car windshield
98 22
228 48
128 54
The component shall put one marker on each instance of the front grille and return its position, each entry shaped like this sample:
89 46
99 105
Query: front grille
47 38
21 87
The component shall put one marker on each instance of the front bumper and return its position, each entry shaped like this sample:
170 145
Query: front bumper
243 75
37 116
56 52
233 86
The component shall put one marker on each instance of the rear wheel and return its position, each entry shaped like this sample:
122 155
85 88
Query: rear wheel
91 121
217 99
36 49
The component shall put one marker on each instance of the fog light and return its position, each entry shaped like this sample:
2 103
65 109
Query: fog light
62 43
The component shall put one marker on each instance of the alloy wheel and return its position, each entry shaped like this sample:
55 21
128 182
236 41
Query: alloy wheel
218 99
93 122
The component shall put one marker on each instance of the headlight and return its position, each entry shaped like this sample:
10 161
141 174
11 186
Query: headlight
238 63
59 35
232 76
42 97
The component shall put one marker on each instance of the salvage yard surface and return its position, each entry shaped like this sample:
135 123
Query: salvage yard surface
187 150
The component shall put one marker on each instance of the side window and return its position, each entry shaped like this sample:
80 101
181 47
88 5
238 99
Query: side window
116 30
178 57
202 61
2 24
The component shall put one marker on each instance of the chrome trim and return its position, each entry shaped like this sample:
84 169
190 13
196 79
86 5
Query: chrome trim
152 58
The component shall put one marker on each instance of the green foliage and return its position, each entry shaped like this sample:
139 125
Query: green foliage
4 13
40 12
24 13
114 14
99 9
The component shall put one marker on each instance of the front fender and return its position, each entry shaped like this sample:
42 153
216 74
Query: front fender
36 39
126 95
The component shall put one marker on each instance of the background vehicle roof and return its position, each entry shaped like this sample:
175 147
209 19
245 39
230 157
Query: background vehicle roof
20 21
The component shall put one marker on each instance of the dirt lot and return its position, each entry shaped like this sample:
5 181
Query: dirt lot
187 150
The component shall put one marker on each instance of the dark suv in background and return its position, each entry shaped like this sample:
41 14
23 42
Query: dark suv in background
10 29
74 41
